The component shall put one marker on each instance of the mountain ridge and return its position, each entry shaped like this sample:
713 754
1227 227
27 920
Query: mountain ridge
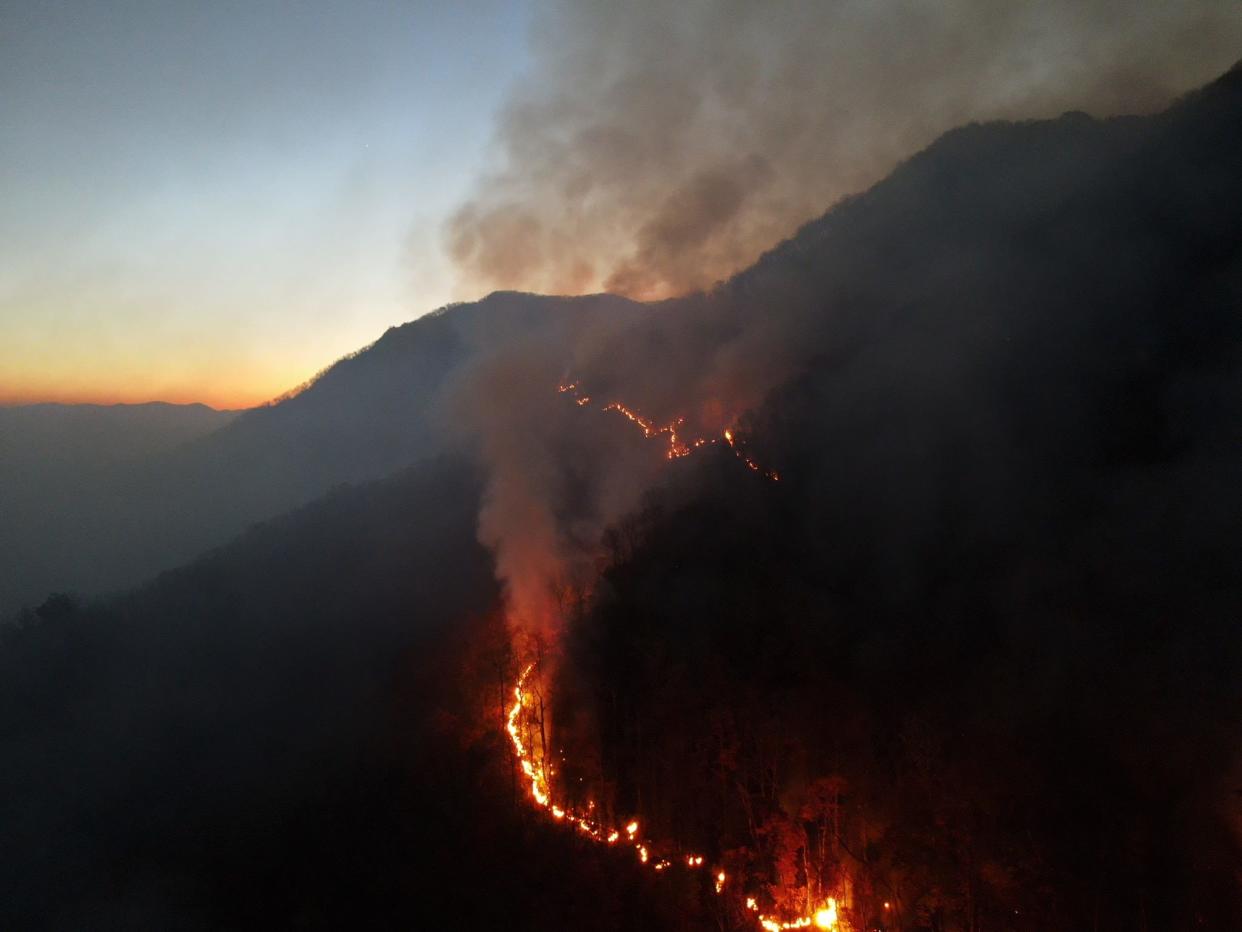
373 411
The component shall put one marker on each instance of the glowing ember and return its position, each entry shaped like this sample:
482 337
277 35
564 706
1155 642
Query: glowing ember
825 918
540 793
530 759
538 780
751 464
677 445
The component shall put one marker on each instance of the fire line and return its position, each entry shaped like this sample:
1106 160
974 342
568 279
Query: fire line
533 765
677 445
540 793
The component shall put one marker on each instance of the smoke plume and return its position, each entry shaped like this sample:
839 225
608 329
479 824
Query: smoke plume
656 148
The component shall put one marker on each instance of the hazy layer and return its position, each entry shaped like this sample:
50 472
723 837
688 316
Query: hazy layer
655 148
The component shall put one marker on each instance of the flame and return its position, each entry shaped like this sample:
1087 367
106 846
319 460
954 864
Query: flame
538 773
538 779
541 795
677 446
825 918
731 440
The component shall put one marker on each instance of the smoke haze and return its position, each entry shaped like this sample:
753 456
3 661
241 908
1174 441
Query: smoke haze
655 149
994 596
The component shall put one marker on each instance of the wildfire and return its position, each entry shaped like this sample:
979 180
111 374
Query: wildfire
825 918
531 759
540 791
537 777
677 445
751 464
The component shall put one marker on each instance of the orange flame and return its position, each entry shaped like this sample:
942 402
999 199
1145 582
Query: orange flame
540 794
538 774
677 446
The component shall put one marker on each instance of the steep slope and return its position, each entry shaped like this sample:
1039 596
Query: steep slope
290 731
978 652
366 416
183 737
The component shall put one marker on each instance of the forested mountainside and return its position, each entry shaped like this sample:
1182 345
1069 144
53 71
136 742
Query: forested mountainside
973 656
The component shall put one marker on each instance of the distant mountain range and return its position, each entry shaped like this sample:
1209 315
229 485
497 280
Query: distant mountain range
95 500
38 437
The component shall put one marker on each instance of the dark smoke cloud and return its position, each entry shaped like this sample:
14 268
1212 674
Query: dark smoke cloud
557 474
656 148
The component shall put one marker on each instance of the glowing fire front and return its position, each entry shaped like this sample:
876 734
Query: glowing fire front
539 785
678 446
530 754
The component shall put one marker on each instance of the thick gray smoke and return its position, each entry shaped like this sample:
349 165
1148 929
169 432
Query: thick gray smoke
558 473
656 148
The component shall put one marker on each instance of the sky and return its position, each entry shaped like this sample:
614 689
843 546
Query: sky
211 201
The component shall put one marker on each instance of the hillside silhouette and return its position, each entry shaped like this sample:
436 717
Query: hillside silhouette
78 518
978 647
54 463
